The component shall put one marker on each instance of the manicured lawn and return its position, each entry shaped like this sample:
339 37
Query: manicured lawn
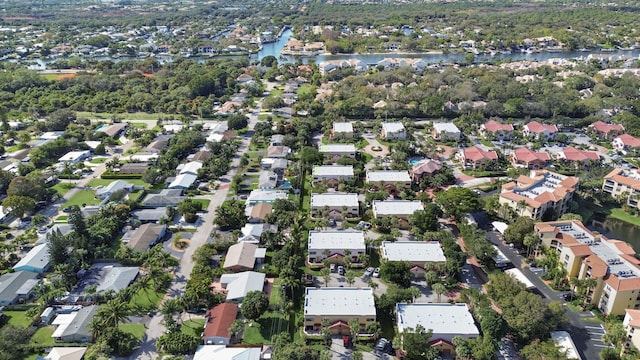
61 219
62 187
486 142
98 160
146 298
136 329
624 216
205 203
193 327
135 195
17 318
262 330
34 356
42 336
83 197
275 298
105 182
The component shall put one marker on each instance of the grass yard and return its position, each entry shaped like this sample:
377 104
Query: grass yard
620 214
62 187
42 336
147 298
193 327
205 203
105 182
136 329
34 356
18 318
61 219
135 195
262 330
83 197
98 160
276 297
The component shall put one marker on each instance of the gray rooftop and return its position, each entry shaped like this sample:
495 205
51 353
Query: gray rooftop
10 283
388 176
413 251
238 285
81 322
339 301
440 318
115 278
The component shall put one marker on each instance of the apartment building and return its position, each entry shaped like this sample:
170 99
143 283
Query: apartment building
584 255
335 204
338 305
334 245
623 183
541 192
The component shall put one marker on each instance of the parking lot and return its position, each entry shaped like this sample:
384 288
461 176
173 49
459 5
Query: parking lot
360 282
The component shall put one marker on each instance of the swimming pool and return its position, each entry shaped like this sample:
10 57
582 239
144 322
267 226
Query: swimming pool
415 160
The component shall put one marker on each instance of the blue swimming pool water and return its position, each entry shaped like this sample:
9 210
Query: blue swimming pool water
101 127
415 160
286 185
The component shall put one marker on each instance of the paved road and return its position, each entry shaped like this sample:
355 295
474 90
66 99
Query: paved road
583 332
155 327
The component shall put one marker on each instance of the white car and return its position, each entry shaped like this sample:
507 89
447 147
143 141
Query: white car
376 272
368 272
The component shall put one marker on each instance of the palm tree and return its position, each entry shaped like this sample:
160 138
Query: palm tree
169 308
372 284
347 258
588 283
439 289
431 277
350 277
110 315
326 275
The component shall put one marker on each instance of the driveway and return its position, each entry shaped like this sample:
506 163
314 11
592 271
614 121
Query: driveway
359 282
339 352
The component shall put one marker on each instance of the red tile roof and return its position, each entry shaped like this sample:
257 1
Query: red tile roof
618 176
527 155
536 127
605 128
572 154
493 126
219 320
635 317
475 153
629 140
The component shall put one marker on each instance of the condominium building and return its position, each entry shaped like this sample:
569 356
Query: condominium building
621 183
541 192
336 151
611 263
335 204
337 306
334 245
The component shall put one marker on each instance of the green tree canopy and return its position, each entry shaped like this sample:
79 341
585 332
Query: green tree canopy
254 304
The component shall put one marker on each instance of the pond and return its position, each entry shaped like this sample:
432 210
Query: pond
620 230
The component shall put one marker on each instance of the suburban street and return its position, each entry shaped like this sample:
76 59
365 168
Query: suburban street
155 327
585 332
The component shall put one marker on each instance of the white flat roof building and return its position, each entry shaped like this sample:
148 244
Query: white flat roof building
563 340
333 200
393 127
395 207
446 321
75 156
266 196
520 277
446 127
325 171
416 252
338 148
343 127
330 301
388 177
336 239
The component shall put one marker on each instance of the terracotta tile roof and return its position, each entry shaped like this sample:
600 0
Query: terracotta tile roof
426 167
623 284
219 319
605 128
493 126
475 153
624 247
572 154
629 140
598 267
617 176
635 317
536 127
527 155
580 250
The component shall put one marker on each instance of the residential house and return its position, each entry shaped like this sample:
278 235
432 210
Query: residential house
333 175
36 260
445 321
631 324
267 180
66 353
133 168
192 167
584 254
183 181
151 215
113 187
75 157
393 131
623 184
166 197
477 158
253 232
113 130
426 167
446 132
143 157
259 212
342 130
334 245
222 352
388 180
17 286
338 305
627 144
417 253
217 322
238 285
577 158
335 204
278 152
493 130
146 236
336 151
276 165
243 256
401 209
202 156
112 278
157 146
539 131
259 196
527 158
603 130
542 194
276 140
78 330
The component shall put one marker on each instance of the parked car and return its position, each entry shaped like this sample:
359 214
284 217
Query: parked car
332 267
376 272
346 341
340 270
368 272
384 346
